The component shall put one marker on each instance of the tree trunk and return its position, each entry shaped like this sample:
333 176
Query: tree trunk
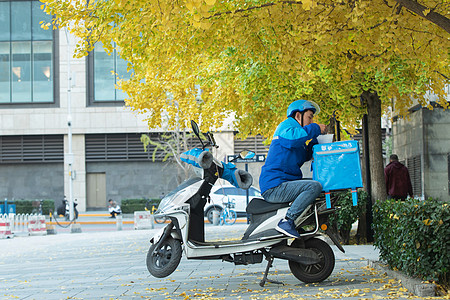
375 153
333 127
363 234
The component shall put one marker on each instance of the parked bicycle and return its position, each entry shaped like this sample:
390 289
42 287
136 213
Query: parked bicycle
228 216
152 208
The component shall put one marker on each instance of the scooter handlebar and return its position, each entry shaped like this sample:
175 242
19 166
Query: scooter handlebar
244 179
205 159
228 171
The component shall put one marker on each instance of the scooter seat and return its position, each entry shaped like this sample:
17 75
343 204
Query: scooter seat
260 206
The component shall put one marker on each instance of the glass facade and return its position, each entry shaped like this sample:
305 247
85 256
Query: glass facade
106 66
26 54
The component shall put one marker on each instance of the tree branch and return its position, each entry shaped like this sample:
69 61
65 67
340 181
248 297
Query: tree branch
435 18
257 7
446 77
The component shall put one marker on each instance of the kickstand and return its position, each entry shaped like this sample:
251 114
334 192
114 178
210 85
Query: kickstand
265 279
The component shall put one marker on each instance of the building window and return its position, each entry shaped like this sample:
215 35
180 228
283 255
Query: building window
253 143
118 147
104 69
127 147
414 165
26 54
31 149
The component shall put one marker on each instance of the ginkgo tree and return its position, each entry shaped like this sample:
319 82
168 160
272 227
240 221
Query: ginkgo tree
253 57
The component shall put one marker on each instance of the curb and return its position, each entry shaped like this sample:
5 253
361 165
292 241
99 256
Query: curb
413 285
112 222
89 222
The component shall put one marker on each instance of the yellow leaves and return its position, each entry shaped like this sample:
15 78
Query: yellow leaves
174 46
307 4
155 289
45 26
200 12
201 24
427 222
393 216
352 293
426 11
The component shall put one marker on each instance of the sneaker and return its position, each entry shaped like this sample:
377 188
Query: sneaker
287 227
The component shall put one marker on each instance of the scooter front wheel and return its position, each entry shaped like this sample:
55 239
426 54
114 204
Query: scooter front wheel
316 272
163 262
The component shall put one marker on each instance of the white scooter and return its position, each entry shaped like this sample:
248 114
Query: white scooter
310 258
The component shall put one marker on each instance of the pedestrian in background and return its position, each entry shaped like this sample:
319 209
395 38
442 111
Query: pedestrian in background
114 208
398 182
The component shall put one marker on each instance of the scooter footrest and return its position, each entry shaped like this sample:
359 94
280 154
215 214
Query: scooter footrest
215 243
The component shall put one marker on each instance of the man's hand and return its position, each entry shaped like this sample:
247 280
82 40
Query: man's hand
323 128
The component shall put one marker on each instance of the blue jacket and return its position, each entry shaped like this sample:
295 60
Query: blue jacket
287 153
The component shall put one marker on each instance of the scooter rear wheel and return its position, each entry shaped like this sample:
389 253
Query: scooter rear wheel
163 262
317 272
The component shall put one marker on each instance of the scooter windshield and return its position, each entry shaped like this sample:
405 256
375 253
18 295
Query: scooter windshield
180 195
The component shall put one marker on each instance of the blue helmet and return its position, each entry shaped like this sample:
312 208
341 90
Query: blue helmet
301 106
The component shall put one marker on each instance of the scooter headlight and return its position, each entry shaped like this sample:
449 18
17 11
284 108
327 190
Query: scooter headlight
166 203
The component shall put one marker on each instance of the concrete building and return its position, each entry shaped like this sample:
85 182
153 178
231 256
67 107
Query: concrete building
422 143
43 89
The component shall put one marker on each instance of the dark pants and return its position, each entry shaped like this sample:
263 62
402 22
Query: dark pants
300 192
397 198
114 214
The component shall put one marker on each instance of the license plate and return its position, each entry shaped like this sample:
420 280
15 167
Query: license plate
158 235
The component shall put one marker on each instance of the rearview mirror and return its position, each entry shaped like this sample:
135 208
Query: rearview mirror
195 128
197 132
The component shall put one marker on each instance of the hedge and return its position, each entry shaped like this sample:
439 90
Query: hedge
25 206
129 206
413 237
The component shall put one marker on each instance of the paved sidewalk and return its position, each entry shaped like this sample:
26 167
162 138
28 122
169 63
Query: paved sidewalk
111 265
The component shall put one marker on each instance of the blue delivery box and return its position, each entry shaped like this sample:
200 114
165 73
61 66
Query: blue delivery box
337 166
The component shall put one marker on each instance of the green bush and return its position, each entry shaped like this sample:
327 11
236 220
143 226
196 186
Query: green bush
25 206
347 214
129 206
413 236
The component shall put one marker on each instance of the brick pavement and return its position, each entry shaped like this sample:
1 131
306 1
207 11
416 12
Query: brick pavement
111 265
